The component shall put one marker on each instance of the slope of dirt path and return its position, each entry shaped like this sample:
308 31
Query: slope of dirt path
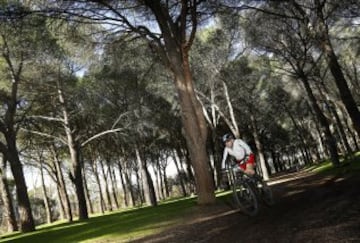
308 208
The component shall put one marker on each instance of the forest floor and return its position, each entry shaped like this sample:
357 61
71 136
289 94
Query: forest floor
308 208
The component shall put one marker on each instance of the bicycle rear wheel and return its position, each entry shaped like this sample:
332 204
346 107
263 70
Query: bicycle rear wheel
245 197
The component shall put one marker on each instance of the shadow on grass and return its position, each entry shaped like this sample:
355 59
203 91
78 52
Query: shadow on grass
121 225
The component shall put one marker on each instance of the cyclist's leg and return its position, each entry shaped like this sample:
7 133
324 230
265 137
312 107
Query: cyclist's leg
250 165
242 166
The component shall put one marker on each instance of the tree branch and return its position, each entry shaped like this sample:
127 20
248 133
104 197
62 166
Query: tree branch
101 134
46 135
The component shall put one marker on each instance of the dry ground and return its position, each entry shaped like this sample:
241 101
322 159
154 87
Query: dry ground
308 208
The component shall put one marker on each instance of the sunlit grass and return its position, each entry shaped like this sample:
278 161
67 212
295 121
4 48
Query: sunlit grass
115 227
347 166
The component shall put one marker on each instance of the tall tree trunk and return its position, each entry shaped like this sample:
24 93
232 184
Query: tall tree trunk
8 214
157 181
335 68
9 130
148 186
161 182
46 198
180 173
60 201
139 187
63 190
331 106
299 132
259 147
113 183
75 153
87 194
76 178
189 171
26 219
166 184
107 191
231 124
130 188
175 52
329 139
341 130
123 185
97 178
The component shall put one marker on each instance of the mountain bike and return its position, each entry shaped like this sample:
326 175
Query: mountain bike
249 191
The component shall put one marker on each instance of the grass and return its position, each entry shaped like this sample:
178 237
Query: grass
124 226
115 227
347 166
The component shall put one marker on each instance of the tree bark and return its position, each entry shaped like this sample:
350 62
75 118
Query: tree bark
26 219
9 214
9 150
175 52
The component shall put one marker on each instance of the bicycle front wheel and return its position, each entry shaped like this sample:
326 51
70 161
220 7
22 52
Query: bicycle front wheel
245 197
266 193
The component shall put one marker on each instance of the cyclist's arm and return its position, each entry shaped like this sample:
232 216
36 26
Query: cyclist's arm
223 162
245 146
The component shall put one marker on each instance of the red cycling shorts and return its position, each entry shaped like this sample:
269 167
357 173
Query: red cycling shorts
250 160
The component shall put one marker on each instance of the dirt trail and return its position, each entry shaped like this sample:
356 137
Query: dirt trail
308 208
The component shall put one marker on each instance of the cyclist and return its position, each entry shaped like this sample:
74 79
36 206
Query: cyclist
241 152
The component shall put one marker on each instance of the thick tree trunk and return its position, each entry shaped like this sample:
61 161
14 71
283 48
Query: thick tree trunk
78 180
8 208
195 134
175 53
26 219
